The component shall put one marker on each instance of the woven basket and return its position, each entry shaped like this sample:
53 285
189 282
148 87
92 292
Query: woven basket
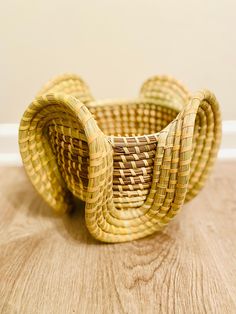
133 162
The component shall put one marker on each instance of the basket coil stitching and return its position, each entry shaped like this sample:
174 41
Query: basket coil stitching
133 184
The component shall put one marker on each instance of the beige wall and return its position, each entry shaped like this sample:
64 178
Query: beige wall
115 45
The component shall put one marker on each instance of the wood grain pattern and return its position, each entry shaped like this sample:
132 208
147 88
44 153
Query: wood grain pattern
50 264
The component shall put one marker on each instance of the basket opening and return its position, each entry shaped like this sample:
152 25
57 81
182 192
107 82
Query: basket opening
132 118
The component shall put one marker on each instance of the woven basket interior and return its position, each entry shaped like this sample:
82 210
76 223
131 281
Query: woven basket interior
131 118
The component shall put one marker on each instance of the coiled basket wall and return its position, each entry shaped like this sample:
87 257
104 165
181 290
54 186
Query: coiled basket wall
133 162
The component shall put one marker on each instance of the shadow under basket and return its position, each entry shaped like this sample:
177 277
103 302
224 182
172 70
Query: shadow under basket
133 162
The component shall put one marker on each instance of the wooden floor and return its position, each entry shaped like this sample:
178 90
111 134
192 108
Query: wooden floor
50 264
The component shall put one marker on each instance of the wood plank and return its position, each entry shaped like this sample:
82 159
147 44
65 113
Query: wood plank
51 264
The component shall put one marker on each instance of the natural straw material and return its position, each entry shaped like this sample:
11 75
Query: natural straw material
133 162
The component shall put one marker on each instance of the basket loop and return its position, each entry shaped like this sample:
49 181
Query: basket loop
166 87
66 116
202 117
69 84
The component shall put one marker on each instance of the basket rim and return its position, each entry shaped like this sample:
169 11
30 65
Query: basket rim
132 101
128 101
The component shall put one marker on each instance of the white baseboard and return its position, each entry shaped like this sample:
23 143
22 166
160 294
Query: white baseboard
10 156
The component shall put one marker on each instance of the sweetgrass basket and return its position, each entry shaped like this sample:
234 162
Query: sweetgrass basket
133 162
